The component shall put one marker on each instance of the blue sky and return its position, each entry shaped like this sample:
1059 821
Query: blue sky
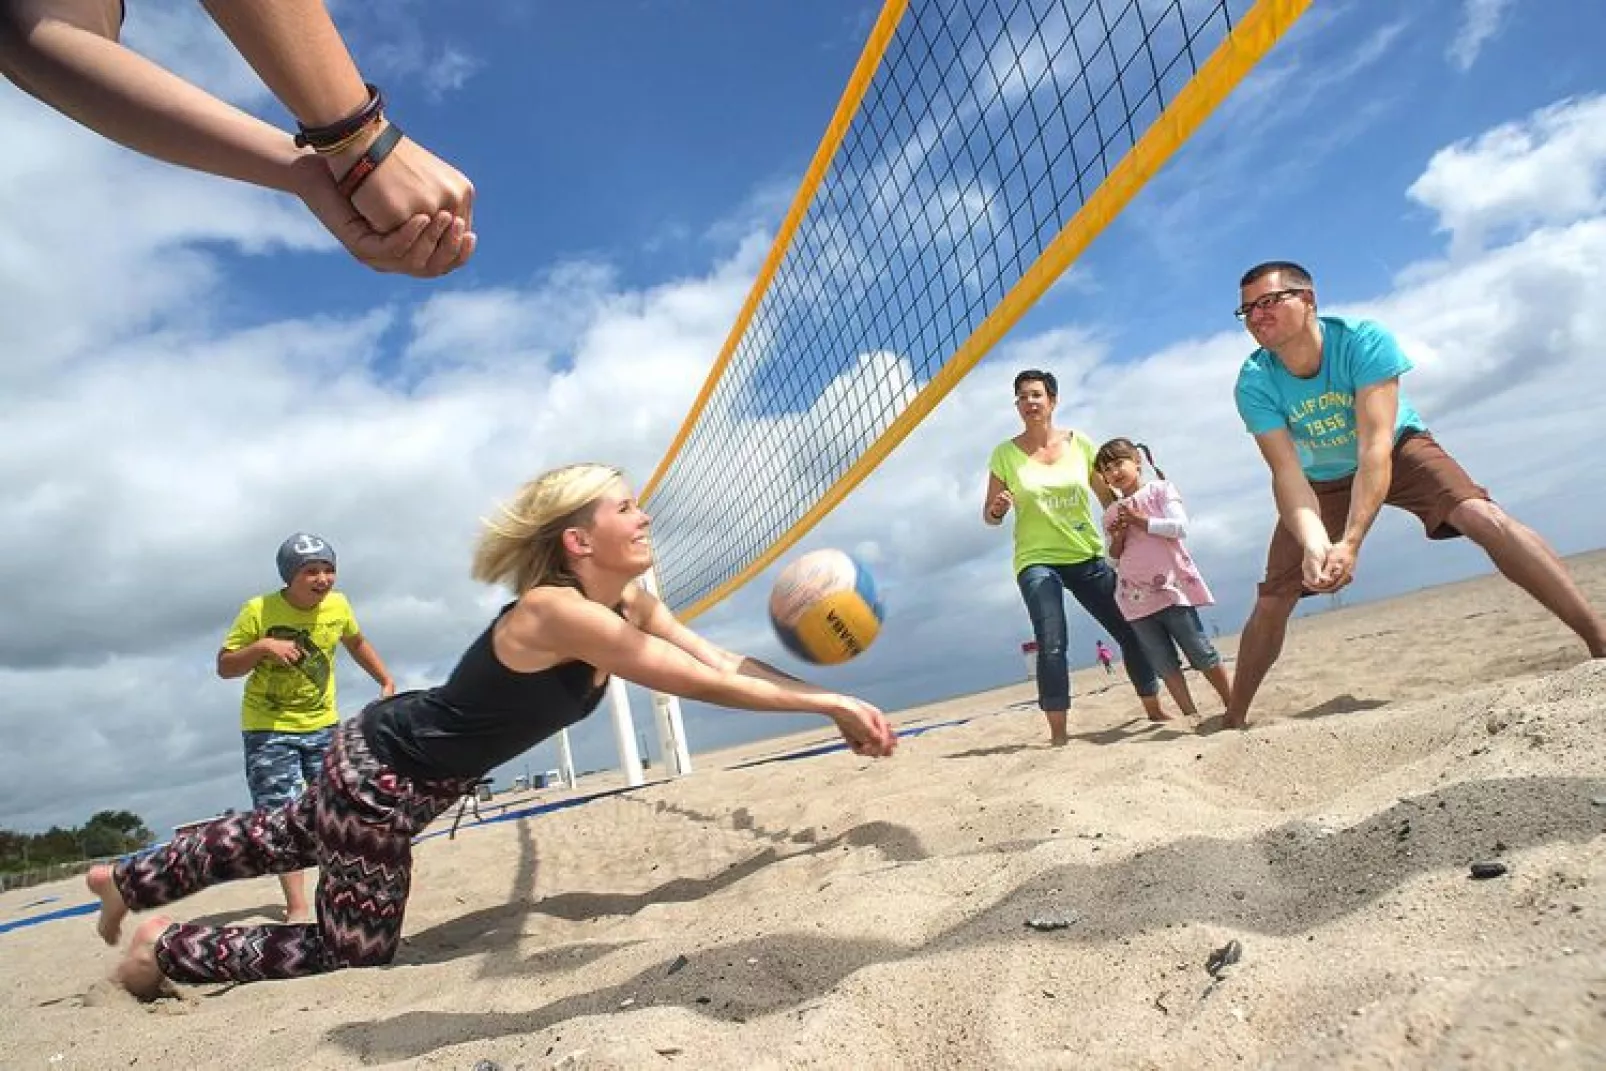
635 133
194 372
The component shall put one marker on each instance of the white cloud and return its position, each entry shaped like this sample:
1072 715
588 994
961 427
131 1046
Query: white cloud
1549 168
1290 118
399 43
1480 21
150 473
155 458
449 71
88 224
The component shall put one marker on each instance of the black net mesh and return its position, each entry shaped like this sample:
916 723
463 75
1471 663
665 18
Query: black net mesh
985 128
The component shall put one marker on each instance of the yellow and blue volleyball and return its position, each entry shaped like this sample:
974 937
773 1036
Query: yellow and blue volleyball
825 608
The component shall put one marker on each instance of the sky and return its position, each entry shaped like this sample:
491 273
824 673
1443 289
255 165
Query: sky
193 371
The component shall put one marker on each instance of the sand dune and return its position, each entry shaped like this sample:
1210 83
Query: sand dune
837 912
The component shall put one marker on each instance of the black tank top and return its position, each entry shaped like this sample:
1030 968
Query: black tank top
484 715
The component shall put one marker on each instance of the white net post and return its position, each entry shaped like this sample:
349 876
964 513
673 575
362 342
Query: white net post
624 733
565 759
672 748
671 735
1028 651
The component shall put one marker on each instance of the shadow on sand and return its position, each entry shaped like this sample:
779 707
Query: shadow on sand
1292 879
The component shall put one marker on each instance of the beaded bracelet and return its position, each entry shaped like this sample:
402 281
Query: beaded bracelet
372 157
323 138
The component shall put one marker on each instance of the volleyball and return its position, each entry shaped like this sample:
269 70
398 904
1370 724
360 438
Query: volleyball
824 607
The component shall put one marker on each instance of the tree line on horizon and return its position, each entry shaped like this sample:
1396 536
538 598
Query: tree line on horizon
106 833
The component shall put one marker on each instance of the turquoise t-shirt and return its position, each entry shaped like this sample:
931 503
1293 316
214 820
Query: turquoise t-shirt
1320 411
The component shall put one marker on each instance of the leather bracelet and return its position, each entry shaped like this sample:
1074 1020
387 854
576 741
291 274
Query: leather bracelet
338 147
380 148
322 137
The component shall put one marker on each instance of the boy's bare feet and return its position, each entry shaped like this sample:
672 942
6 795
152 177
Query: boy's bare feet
138 973
112 907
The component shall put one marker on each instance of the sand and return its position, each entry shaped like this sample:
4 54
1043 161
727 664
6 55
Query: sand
840 912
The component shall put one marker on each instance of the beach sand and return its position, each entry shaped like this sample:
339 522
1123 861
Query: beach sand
841 912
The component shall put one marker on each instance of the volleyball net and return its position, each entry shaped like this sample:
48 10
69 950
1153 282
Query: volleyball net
979 148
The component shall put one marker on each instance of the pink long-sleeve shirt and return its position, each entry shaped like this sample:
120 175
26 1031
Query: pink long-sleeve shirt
1155 568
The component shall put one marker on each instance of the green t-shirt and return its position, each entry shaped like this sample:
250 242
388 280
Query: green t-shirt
1056 513
298 698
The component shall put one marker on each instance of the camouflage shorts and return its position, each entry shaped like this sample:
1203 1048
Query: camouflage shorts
279 766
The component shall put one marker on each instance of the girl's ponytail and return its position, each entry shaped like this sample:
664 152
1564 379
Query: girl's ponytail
1144 447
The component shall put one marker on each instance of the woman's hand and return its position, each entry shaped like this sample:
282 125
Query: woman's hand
409 182
865 728
1000 505
421 245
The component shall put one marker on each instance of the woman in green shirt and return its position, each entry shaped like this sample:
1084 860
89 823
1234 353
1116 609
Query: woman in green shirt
1046 474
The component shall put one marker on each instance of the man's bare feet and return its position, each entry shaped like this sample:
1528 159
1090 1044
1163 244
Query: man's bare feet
113 909
138 973
1229 720
1058 741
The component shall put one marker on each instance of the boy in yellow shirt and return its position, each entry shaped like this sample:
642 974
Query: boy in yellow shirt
285 640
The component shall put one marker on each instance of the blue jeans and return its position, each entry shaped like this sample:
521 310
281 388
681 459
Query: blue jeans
1091 583
1163 632
279 766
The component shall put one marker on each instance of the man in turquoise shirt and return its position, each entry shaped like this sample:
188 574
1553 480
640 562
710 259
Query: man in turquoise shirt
1322 398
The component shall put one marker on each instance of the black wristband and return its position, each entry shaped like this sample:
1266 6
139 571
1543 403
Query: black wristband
371 158
321 137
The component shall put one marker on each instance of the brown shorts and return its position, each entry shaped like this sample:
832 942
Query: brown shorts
1427 481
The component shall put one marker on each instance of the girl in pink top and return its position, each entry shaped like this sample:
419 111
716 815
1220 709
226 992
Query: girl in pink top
1158 585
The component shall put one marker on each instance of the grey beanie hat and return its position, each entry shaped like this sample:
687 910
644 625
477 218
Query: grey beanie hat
298 550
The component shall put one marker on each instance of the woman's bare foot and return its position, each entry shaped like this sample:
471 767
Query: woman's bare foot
1151 707
113 909
138 973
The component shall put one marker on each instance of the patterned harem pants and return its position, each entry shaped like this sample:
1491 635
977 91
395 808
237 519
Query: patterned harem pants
356 824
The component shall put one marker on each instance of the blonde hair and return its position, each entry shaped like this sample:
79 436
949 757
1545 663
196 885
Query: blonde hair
523 546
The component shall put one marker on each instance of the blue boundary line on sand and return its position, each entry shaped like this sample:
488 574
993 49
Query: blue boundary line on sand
540 808
838 745
560 805
51 916
528 812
